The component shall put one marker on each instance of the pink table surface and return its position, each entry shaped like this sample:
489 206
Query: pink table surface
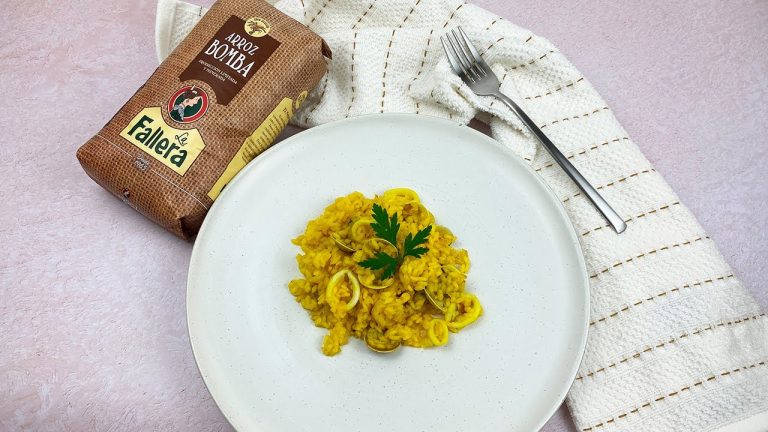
92 318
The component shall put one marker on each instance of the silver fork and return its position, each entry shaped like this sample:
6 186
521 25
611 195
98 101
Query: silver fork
479 77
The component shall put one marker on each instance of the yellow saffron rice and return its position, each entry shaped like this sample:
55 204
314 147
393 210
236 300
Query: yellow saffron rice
418 306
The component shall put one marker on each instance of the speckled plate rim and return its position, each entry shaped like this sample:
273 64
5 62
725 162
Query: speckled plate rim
573 367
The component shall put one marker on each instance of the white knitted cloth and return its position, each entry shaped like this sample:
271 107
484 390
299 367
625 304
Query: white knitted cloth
675 342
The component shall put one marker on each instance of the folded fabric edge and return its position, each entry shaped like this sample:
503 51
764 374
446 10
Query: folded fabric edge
164 24
166 10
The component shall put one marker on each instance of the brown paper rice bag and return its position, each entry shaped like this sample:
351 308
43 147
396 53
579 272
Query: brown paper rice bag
216 102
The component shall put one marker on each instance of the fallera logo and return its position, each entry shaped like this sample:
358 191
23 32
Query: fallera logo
188 105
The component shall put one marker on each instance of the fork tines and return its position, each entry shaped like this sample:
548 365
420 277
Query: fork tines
464 58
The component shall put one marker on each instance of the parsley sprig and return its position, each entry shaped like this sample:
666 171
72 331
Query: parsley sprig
386 228
382 261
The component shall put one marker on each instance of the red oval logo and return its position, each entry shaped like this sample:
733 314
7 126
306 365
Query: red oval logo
189 104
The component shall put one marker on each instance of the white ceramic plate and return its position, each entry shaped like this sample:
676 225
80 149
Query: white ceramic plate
259 353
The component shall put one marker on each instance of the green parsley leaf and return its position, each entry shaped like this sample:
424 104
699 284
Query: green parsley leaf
385 227
417 252
382 261
410 243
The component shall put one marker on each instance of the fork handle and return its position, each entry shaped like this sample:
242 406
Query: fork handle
598 201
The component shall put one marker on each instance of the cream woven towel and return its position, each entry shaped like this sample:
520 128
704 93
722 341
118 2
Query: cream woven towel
676 343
